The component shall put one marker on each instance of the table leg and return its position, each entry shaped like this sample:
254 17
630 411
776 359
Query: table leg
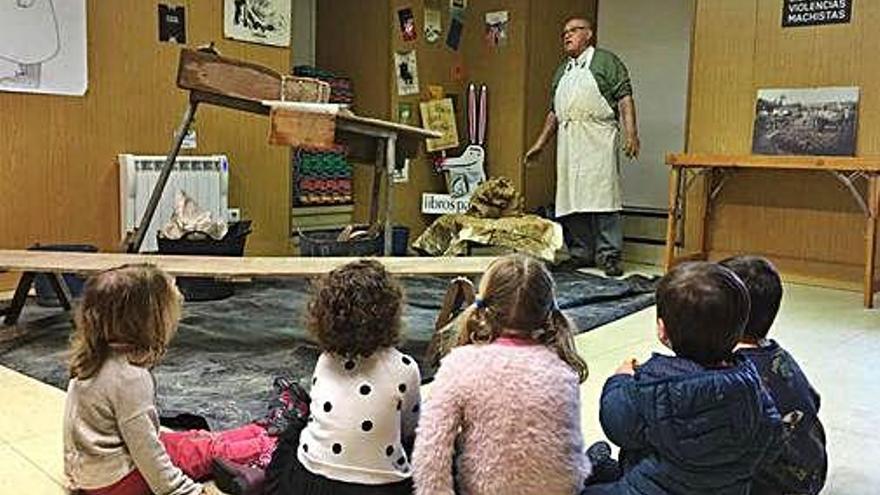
871 239
61 289
18 300
390 158
705 228
673 216
377 181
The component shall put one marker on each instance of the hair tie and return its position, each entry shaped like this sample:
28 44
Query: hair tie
479 303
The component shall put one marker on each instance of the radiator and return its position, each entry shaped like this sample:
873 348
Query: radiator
203 178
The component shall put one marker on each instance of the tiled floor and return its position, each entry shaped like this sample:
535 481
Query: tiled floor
835 340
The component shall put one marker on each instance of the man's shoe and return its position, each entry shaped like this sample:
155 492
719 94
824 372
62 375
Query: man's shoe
612 268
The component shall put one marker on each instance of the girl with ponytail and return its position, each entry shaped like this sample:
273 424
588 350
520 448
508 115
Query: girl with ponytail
505 404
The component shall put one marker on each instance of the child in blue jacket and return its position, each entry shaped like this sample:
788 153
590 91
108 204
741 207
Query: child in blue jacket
698 422
802 465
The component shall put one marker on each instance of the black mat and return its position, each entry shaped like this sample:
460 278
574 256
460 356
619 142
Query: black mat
222 361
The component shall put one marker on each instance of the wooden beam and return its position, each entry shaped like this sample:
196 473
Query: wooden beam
839 163
229 267
210 73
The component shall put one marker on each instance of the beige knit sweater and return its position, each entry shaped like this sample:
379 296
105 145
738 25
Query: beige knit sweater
111 428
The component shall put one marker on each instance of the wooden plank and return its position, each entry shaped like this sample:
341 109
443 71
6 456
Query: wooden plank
210 73
383 125
699 160
229 267
294 128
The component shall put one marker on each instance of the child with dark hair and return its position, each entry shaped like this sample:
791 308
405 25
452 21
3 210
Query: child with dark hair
698 422
802 465
364 396
503 416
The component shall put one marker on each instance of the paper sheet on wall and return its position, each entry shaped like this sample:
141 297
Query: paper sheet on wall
433 25
43 46
439 115
405 113
496 28
457 7
172 24
407 72
453 37
407 22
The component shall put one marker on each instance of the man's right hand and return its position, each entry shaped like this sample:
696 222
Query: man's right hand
532 154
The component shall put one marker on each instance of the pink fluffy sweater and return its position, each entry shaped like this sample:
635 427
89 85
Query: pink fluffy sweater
510 416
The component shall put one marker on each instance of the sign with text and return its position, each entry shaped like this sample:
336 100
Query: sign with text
441 204
816 12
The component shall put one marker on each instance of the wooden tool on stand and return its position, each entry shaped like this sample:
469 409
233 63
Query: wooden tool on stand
244 86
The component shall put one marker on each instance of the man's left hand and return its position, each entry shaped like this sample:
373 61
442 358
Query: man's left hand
632 146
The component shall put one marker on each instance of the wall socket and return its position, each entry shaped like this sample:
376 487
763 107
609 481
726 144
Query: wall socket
234 214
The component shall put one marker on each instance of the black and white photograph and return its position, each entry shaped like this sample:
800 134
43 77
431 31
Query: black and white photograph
265 22
806 121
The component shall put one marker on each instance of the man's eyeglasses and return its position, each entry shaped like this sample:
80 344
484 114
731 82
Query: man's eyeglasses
572 30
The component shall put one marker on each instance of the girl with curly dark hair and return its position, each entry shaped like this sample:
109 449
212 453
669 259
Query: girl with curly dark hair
365 393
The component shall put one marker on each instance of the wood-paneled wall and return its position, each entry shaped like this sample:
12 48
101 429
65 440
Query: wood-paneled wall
503 70
807 222
352 40
58 172
435 63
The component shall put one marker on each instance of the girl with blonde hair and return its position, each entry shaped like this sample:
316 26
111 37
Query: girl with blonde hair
505 403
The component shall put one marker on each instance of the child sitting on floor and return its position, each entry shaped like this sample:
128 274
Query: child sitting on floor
505 405
365 393
699 422
111 428
803 463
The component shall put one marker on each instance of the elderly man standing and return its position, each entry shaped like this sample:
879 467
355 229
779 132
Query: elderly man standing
591 94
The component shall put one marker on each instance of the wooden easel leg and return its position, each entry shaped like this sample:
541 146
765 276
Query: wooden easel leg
61 290
673 215
141 231
871 240
377 182
18 300
390 158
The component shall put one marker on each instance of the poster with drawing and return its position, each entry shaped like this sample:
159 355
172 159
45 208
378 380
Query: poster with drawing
43 46
266 22
439 115
407 71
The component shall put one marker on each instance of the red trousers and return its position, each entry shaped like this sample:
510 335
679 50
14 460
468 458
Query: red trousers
192 451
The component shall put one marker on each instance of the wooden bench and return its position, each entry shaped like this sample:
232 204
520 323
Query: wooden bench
53 264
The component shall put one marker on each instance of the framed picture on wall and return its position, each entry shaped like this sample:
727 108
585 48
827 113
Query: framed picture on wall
806 121
266 22
43 47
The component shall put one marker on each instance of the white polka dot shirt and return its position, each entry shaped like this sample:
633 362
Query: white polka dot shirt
362 410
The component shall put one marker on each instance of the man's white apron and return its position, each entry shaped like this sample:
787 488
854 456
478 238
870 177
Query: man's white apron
586 154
